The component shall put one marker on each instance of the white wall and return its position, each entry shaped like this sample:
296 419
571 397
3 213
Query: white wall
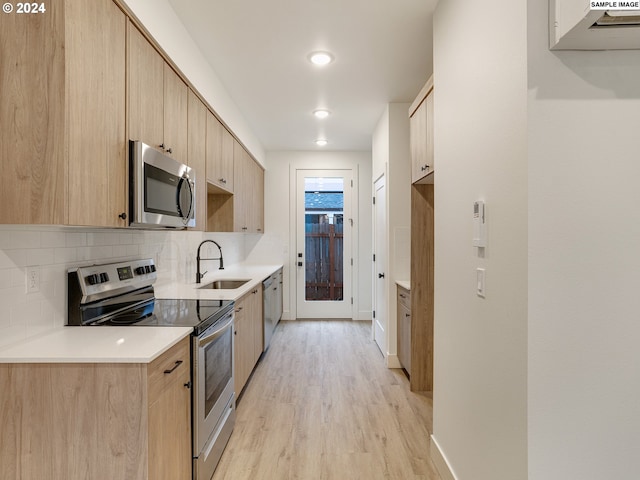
584 267
161 21
480 390
56 249
392 158
278 205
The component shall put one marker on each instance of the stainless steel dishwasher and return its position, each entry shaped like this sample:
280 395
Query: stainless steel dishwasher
271 305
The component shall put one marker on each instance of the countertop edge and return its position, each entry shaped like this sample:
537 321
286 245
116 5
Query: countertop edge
102 353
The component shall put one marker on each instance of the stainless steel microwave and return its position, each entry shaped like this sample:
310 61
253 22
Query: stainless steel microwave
162 191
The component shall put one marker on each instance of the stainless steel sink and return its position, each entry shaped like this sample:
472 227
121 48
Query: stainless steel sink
224 284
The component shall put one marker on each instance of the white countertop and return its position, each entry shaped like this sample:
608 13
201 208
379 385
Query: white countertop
190 291
404 284
130 344
96 345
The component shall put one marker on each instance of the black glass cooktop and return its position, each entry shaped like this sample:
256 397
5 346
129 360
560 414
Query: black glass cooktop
141 308
199 314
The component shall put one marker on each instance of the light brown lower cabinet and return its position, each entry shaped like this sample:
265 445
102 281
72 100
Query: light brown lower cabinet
248 336
97 421
404 328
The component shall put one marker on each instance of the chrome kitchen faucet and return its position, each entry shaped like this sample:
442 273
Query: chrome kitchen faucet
200 275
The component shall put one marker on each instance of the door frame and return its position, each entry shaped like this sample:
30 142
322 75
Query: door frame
293 222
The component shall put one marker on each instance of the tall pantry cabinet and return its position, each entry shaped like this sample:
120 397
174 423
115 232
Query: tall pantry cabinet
62 115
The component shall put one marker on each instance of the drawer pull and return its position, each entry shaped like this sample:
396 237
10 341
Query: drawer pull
178 363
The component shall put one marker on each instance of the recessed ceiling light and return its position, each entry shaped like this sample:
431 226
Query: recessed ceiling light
321 113
321 58
321 142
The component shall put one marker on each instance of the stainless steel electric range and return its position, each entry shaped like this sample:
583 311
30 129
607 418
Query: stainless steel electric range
121 294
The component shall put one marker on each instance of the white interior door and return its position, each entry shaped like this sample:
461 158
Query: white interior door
380 319
323 243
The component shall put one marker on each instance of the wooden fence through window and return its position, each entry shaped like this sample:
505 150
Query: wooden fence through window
324 244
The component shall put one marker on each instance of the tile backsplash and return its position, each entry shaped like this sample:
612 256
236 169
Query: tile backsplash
51 251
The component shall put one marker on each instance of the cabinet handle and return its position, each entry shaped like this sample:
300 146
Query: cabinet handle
403 296
424 167
169 150
188 384
161 146
222 180
407 314
178 363
123 216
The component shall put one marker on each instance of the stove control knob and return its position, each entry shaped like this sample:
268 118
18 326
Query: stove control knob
139 271
104 277
147 269
92 279
153 268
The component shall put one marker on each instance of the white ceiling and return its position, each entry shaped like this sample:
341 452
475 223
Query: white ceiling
259 50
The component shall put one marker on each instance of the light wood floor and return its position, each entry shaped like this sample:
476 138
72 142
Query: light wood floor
322 405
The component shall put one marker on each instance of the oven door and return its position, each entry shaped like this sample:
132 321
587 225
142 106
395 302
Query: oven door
213 379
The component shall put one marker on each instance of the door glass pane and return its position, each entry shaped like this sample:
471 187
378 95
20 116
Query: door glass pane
324 239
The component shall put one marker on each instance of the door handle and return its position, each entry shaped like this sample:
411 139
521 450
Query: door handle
381 275
299 264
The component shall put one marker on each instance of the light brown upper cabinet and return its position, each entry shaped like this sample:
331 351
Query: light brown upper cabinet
220 144
248 205
421 135
158 99
63 115
196 157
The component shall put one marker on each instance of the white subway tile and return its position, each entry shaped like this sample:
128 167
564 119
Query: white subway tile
13 258
126 238
76 239
41 256
65 255
19 239
18 278
119 251
53 239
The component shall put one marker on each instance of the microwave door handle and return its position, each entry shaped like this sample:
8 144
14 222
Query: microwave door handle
184 181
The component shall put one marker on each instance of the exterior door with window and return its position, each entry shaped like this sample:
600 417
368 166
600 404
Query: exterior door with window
323 255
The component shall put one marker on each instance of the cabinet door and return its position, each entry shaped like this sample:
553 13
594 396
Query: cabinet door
32 116
96 58
219 154
404 337
421 123
176 94
257 322
196 157
243 346
170 415
257 200
146 90
241 194
418 142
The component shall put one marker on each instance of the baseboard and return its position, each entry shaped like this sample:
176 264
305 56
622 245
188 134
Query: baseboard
393 361
440 461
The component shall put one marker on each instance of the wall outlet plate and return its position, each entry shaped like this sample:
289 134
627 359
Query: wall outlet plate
32 279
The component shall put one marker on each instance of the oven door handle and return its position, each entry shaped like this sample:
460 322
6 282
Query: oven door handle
210 337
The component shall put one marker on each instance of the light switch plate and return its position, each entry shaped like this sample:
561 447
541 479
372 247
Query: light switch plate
480 282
